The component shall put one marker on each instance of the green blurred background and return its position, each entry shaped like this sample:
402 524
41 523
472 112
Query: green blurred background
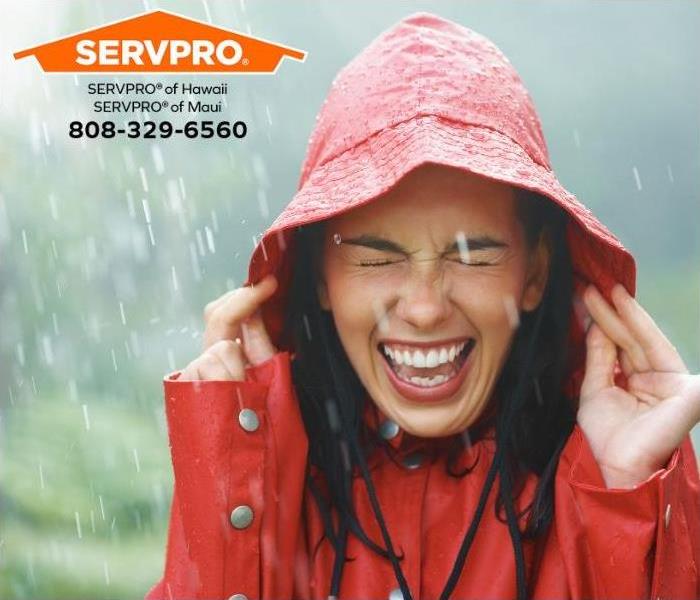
110 249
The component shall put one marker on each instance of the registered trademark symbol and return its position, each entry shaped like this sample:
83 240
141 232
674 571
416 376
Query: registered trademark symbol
245 62
159 86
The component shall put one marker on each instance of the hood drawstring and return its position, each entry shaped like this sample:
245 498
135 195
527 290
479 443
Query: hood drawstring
342 537
499 463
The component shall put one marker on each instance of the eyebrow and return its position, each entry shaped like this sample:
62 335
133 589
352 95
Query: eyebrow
479 242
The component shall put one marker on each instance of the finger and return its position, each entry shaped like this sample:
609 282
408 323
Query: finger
625 363
205 367
256 342
214 304
231 355
608 319
660 384
601 354
224 322
187 374
662 354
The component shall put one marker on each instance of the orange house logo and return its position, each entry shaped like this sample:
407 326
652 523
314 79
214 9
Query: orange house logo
160 42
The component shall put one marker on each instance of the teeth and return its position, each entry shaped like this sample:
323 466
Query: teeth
429 381
421 360
418 359
433 359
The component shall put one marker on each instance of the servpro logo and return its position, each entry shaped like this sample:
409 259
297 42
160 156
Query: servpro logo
170 52
162 42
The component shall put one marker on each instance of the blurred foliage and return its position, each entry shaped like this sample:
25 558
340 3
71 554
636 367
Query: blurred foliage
109 249
84 510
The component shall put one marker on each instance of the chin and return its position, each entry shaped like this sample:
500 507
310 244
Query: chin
439 429
422 423
429 432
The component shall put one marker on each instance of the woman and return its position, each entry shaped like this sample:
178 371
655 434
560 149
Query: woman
444 386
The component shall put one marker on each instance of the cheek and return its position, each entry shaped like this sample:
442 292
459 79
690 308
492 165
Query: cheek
492 303
353 291
353 301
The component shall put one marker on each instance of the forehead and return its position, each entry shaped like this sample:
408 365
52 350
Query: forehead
435 196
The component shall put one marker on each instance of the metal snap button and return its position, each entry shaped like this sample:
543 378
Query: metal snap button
388 429
396 594
238 597
413 460
248 419
241 516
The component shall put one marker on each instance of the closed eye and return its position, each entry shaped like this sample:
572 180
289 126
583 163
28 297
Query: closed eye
375 263
461 262
473 264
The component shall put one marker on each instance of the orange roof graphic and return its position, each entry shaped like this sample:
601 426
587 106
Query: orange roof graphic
160 41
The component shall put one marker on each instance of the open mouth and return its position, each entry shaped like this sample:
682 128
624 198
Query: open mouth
413 369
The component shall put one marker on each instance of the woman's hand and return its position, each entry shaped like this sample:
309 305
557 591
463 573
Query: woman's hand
222 357
633 432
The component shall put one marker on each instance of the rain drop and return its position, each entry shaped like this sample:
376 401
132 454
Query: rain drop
210 240
53 207
47 349
262 203
77 525
511 311
200 242
538 391
462 245
332 411
380 316
345 453
144 181
206 10
157 159
307 328
466 438
86 418
146 210
637 180
577 139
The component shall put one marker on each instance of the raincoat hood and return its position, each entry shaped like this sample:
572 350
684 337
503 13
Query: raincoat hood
430 90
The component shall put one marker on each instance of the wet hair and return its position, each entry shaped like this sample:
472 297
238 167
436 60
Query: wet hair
532 416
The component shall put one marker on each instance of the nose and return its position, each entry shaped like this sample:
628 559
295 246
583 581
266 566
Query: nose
424 301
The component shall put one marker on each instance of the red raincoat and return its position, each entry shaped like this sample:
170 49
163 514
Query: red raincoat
604 543
231 468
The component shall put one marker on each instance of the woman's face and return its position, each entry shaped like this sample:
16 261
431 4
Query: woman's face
434 273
